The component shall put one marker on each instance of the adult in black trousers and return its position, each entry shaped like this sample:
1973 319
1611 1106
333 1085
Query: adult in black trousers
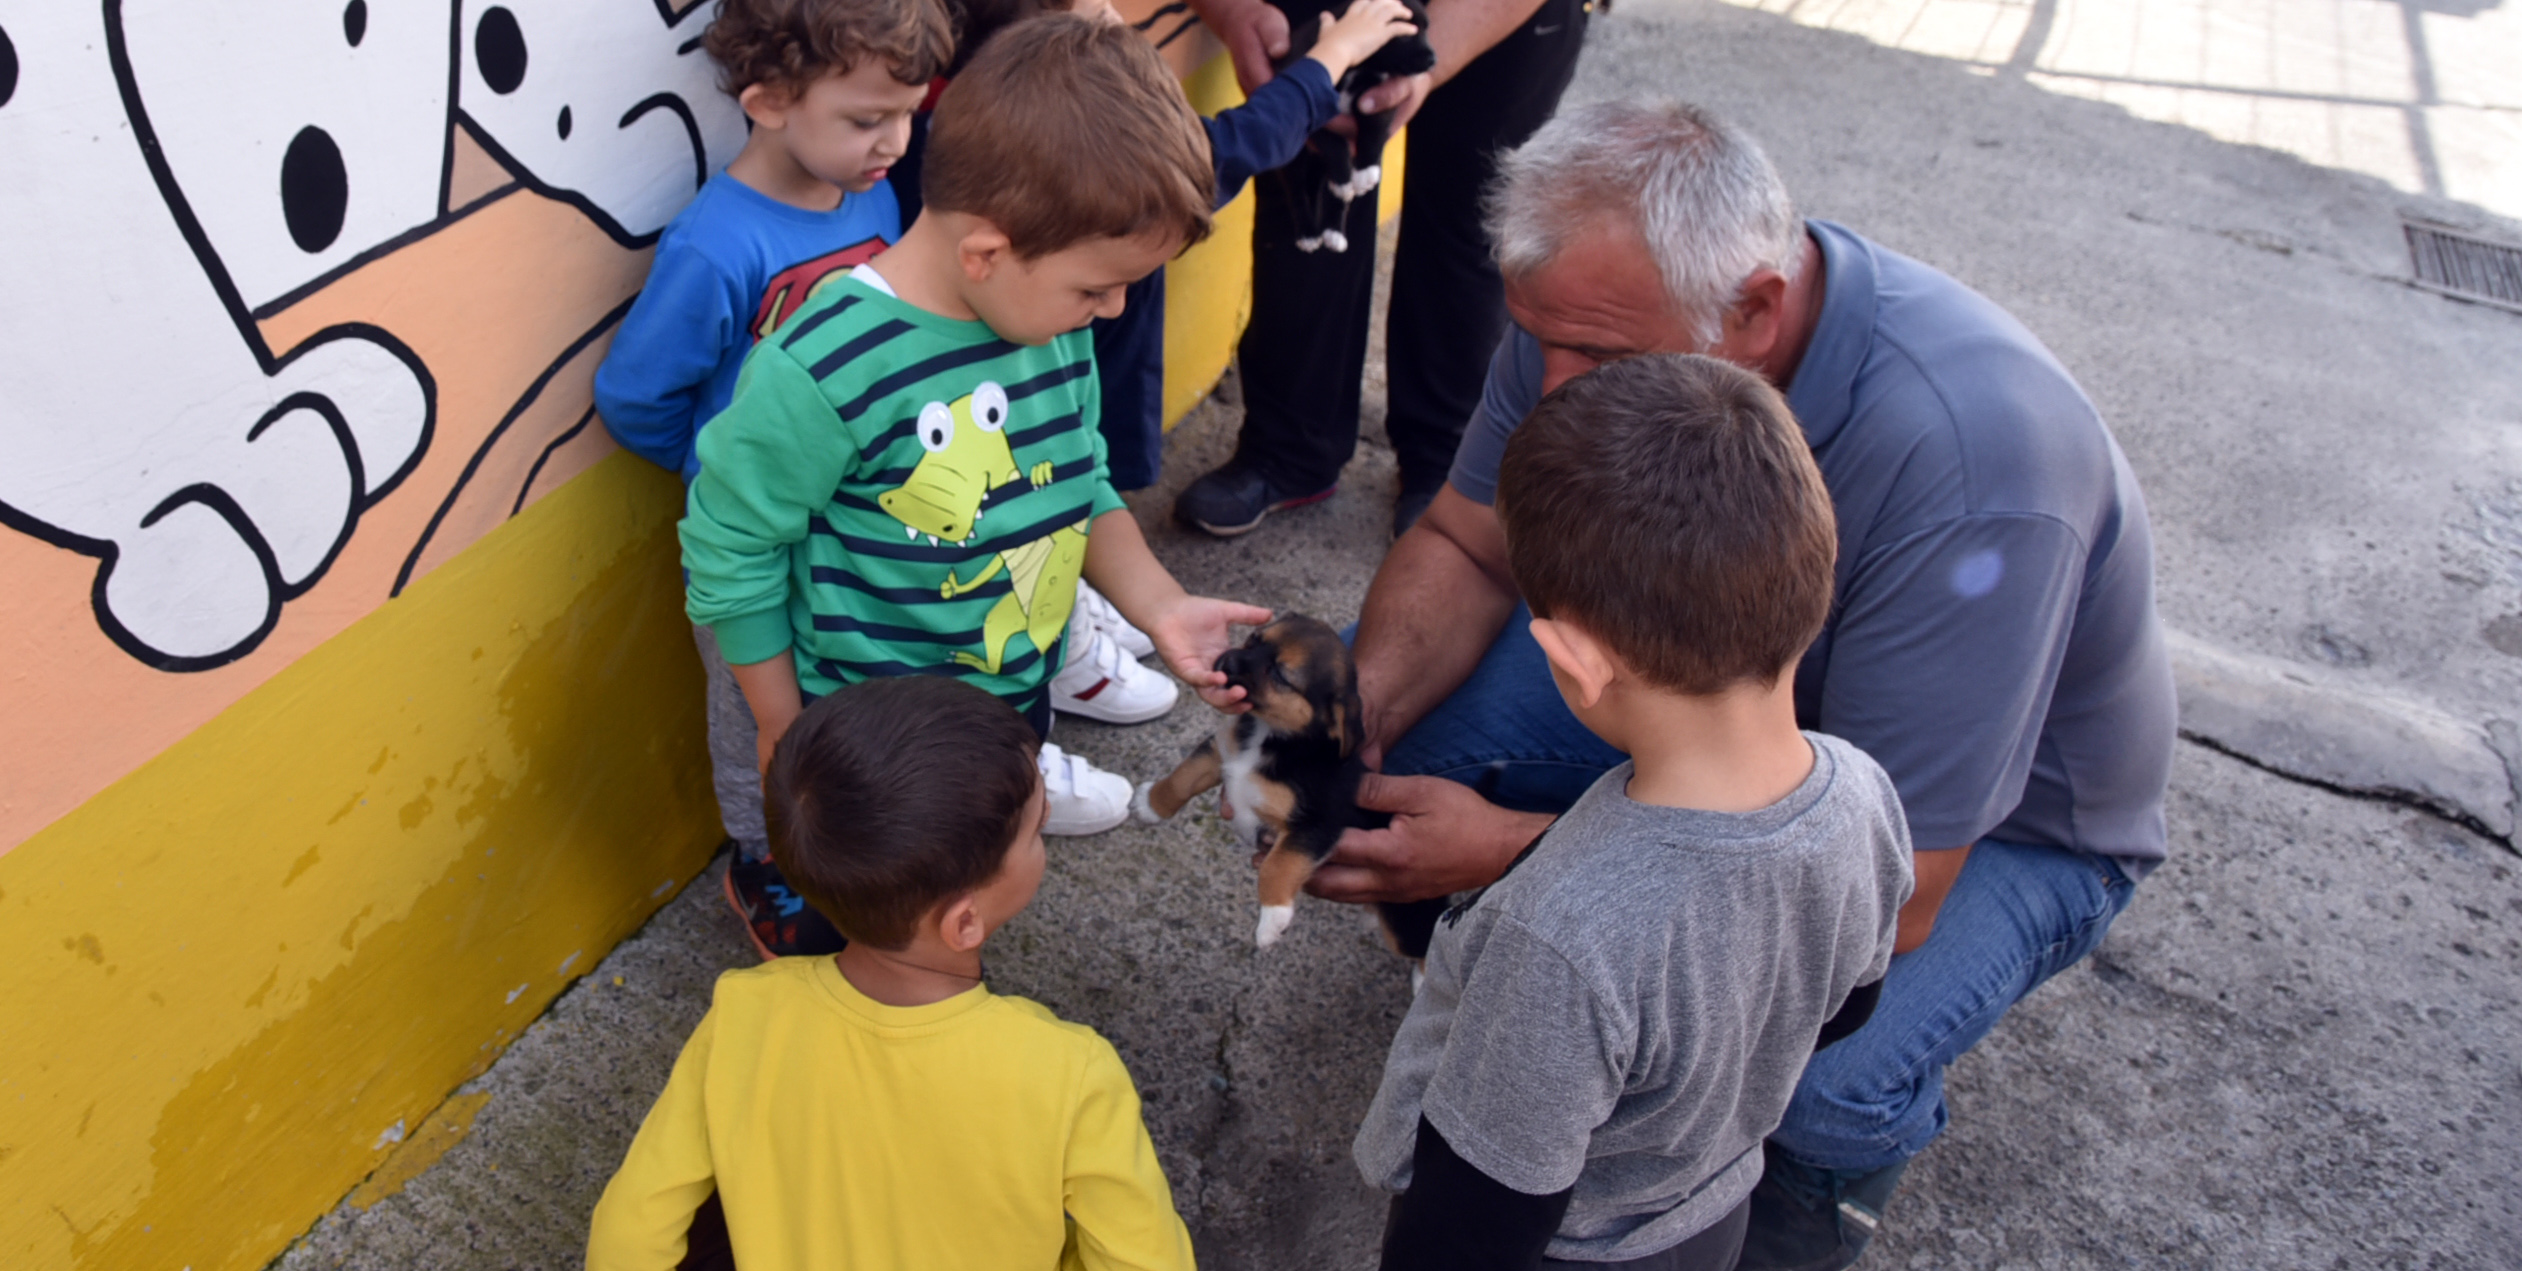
1501 66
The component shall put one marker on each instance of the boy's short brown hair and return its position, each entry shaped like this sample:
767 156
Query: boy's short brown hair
1669 507
1063 130
891 796
789 44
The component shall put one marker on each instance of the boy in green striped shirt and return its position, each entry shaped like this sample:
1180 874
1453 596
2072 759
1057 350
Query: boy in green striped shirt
909 479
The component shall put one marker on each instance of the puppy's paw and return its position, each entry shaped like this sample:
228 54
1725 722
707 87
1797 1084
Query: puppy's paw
1360 182
1334 240
1274 923
1312 244
1141 810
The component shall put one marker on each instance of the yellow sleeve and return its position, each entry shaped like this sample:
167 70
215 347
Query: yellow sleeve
646 1212
1120 1208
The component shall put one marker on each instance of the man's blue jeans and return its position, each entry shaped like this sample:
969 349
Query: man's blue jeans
1507 733
2017 915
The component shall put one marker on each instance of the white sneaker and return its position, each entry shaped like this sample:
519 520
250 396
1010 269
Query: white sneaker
1102 681
1107 619
1078 797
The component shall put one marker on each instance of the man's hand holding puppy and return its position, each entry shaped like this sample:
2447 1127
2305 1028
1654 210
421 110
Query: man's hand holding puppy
1444 838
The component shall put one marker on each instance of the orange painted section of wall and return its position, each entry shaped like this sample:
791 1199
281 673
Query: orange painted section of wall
82 712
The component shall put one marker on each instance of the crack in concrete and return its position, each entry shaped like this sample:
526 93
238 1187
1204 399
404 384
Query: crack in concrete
2504 737
1221 1079
2268 241
2162 997
2353 739
2367 794
2279 245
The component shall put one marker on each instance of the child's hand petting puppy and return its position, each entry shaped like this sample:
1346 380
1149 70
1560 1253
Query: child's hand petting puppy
1191 633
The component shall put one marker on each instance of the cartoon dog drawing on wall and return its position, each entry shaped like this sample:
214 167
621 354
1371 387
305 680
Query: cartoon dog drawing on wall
180 171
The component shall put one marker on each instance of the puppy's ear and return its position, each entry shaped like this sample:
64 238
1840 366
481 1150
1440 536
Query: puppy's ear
1348 719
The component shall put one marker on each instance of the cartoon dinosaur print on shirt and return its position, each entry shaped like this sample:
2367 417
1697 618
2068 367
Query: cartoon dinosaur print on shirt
968 457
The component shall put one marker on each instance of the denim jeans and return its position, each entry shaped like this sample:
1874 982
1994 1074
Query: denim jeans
1507 733
2017 915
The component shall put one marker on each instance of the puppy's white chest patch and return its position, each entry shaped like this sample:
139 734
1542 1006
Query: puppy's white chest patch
1237 762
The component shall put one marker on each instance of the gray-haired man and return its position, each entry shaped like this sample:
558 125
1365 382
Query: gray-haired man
1992 640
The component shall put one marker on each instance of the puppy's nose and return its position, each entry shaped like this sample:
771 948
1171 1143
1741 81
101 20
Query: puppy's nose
1242 666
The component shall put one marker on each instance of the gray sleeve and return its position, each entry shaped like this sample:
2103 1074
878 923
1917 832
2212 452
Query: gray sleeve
1512 390
1943 662
1532 1064
1876 814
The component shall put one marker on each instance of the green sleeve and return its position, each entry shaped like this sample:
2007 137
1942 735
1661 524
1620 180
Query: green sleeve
769 463
646 1212
1120 1209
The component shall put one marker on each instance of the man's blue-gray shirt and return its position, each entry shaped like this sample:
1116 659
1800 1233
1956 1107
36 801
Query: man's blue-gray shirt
1992 640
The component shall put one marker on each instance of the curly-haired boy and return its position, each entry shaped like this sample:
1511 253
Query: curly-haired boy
830 88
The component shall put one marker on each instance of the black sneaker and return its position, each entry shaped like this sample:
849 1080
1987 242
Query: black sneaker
1808 1219
779 920
1235 498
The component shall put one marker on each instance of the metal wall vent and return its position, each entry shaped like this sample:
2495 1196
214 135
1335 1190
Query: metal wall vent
2465 265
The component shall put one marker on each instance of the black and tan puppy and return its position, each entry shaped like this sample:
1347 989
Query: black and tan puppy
1290 767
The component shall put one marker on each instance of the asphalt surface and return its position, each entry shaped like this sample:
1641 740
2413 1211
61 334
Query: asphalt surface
2299 1048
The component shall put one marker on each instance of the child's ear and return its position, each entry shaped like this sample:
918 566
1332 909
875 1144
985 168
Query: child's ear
1576 654
766 105
982 249
960 924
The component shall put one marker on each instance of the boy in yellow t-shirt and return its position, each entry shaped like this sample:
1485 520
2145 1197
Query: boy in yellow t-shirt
881 1108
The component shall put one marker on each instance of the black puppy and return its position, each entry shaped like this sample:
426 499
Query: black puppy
1291 770
1328 174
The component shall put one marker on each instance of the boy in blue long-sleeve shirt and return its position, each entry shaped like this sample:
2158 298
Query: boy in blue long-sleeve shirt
804 201
830 87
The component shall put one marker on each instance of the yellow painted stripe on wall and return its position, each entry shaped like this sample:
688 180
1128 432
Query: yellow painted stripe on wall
1208 290
232 974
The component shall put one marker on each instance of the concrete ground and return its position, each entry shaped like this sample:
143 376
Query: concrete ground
2420 93
2300 1046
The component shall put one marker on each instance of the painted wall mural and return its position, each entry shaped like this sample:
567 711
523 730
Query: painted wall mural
351 712
302 297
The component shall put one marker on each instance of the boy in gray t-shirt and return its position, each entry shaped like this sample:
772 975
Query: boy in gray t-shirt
1607 1033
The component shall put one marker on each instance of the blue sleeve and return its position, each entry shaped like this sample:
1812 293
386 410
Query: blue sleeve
1266 131
1512 390
650 385
1943 660
1090 414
